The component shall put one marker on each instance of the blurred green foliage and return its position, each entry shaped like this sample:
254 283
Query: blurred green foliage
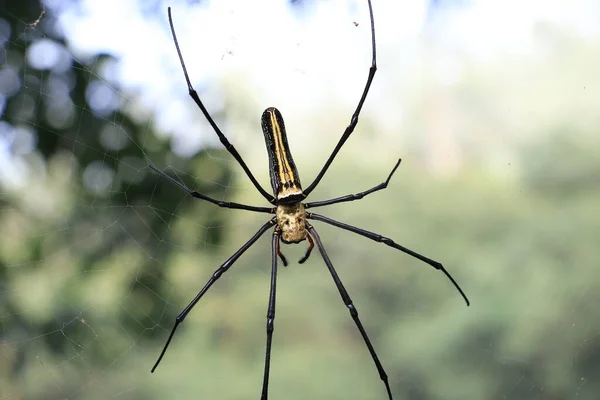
91 282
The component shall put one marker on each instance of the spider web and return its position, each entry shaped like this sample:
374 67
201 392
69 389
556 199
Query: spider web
98 254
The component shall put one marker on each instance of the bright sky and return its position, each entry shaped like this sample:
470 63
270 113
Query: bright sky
314 57
274 47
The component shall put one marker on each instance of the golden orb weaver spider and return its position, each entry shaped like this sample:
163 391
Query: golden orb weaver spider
291 218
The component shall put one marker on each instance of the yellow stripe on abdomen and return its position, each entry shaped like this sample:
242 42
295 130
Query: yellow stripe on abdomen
284 175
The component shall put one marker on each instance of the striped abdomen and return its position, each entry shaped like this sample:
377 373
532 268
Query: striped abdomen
284 175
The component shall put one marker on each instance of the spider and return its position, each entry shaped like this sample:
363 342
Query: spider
290 220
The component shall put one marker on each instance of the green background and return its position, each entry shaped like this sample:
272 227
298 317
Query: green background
91 281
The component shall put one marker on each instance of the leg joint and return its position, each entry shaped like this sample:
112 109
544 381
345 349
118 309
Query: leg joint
218 273
270 325
353 310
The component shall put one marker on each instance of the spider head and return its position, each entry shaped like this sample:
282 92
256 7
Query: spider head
291 219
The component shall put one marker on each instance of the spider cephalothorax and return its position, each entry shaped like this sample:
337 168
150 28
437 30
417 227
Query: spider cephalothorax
291 218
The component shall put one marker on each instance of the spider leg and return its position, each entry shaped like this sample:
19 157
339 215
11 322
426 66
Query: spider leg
389 242
222 138
224 204
354 119
275 244
355 196
311 245
283 259
216 275
353 311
